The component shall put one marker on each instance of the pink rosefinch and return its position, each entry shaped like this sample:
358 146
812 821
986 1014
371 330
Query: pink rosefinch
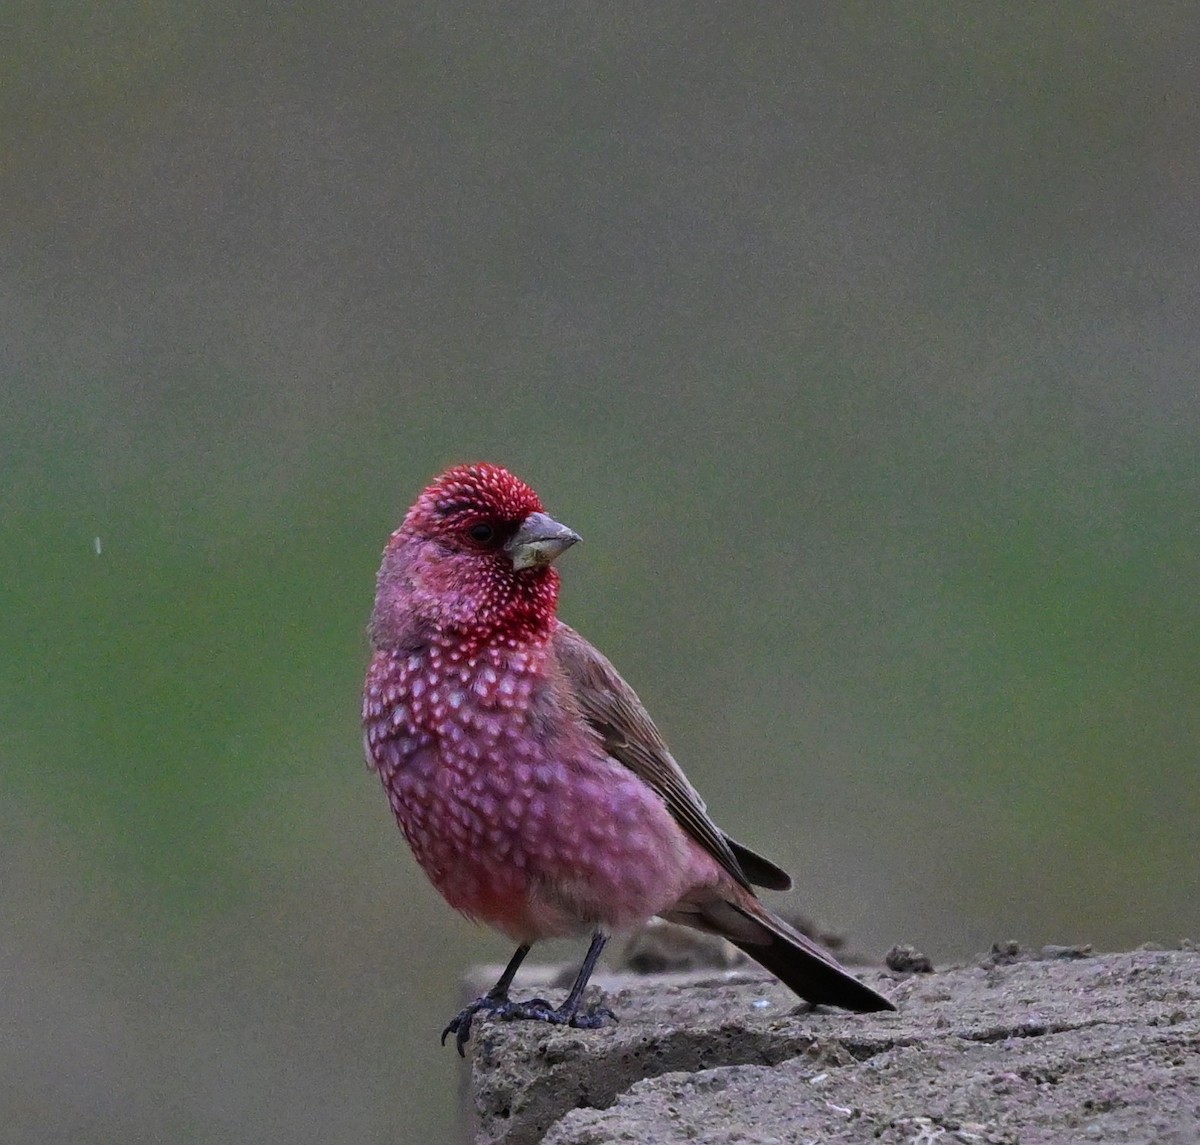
531 784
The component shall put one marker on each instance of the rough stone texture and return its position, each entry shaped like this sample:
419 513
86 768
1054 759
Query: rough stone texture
1021 1050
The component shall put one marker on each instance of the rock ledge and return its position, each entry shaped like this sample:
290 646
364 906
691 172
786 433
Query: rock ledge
1019 1050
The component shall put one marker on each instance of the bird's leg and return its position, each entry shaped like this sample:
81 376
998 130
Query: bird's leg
497 1003
594 1015
495 1000
568 1014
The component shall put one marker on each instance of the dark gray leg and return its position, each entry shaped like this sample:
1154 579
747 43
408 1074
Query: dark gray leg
497 1003
590 959
495 999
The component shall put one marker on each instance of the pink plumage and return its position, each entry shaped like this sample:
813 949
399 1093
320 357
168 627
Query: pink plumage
534 790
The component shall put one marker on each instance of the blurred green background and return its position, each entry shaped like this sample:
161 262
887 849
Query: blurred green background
859 342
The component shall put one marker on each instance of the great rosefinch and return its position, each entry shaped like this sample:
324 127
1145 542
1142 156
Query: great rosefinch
531 784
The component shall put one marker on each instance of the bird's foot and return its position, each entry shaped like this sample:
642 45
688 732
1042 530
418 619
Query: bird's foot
593 1017
534 1010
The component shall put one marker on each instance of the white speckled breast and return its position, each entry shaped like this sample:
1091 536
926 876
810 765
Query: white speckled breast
519 820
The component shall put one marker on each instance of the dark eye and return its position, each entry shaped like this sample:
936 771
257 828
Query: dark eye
482 533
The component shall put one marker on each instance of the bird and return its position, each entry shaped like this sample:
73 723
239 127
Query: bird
530 782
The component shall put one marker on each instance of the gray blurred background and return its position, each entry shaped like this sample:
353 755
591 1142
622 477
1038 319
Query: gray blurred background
860 343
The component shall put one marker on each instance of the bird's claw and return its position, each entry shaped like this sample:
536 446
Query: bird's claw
534 1010
460 1024
593 1017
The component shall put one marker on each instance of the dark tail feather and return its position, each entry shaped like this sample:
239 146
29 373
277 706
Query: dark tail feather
799 963
761 872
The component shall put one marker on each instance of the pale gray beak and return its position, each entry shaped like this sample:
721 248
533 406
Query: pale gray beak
538 541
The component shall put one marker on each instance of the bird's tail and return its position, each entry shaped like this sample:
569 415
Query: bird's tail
798 962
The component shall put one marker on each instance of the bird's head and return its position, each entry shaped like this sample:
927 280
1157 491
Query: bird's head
473 559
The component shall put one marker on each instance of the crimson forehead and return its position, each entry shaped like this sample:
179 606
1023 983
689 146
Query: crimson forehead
499 495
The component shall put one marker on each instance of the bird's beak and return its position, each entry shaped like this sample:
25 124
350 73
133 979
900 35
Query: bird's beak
538 541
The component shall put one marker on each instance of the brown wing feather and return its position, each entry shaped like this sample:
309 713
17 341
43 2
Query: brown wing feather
612 707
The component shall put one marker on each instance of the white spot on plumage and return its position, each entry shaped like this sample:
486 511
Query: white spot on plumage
469 750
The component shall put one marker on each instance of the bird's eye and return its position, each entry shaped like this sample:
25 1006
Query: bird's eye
482 532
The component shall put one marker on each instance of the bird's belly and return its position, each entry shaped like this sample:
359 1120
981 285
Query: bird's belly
539 848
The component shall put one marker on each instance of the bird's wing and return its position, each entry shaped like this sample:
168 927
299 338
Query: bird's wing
613 709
